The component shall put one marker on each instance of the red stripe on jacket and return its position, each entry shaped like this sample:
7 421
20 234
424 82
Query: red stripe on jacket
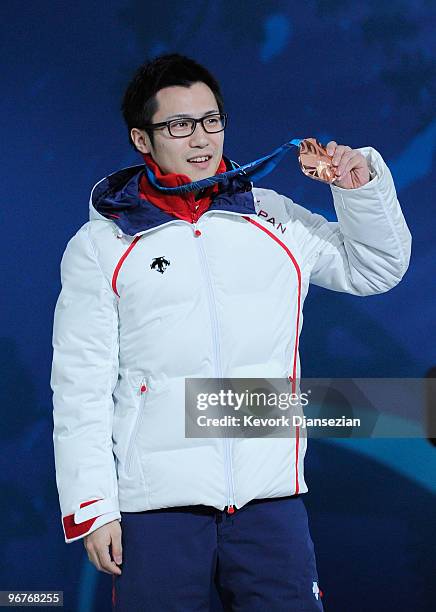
294 363
74 531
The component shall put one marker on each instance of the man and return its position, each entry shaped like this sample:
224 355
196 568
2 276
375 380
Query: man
160 286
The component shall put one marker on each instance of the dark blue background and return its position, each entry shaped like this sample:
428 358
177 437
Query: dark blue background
359 73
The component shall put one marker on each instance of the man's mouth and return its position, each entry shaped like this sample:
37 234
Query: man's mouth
200 159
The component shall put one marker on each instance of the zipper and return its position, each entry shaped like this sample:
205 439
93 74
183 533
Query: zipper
142 392
218 372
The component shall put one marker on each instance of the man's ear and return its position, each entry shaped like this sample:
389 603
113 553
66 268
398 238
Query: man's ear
141 140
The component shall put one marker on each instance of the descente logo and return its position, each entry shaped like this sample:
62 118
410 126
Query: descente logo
160 264
278 226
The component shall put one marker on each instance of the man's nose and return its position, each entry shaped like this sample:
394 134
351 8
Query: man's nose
200 137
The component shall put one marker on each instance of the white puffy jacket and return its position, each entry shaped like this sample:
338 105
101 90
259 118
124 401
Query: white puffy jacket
228 304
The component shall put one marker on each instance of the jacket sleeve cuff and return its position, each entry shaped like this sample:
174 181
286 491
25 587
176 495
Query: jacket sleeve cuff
90 516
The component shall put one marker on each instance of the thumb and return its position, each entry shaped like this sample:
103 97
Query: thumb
117 549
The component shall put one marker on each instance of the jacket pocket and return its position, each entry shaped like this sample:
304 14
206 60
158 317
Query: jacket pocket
141 393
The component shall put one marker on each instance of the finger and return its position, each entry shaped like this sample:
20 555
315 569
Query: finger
340 150
93 558
331 147
108 566
348 164
345 161
117 549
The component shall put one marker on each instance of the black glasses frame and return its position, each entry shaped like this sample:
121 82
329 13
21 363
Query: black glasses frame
162 124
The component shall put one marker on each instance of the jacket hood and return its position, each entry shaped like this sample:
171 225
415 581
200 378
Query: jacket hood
116 197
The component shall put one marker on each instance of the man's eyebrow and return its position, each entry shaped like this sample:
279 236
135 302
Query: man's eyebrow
186 116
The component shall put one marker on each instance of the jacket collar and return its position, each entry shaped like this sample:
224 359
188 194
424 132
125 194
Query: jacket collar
117 197
188 206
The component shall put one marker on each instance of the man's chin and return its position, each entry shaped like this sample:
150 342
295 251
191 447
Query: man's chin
198 174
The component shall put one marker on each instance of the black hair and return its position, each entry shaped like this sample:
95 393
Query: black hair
139 101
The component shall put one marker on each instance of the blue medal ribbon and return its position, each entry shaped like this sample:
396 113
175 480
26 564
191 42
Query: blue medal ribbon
255 170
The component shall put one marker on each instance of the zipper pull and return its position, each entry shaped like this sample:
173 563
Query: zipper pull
196 231
142 387
231 509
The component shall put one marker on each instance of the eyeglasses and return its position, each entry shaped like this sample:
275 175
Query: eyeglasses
183 127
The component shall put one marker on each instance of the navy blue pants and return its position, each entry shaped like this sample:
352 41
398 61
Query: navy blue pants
260 558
